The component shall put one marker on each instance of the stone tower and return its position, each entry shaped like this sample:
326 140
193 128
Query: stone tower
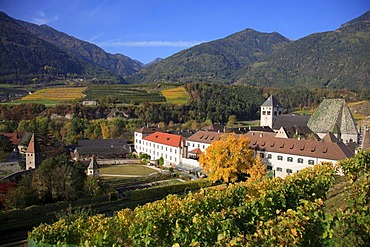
33 154
92 169
269 111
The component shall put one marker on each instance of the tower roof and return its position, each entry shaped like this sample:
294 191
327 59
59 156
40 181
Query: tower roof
333 115
33 146
273 102
93 164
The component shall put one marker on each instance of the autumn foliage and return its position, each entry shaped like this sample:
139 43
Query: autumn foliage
228 159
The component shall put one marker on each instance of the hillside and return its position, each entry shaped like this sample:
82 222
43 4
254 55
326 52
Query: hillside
24 55
118 64
39 54
335 59
216 61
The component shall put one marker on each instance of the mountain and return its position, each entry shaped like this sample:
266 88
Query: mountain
335 59
155 61
24 55
118 64
216 61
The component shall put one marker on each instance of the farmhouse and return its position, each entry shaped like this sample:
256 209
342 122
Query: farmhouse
90 102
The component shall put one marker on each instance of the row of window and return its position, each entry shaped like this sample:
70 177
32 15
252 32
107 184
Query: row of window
289 159
189 145
279 169
166 148
269 113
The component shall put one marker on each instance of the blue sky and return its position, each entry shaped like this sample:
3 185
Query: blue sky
147 29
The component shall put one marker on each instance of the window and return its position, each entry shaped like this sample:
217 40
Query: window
279 169
289 171
280 157
290 159
263 112
269 168
262 155
269 156
311 162
300 160
269 113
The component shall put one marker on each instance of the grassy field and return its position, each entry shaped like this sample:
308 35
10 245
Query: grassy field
176 95
137 170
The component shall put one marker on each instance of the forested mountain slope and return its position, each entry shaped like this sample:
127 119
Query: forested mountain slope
215 61
23 54
336 59
118 63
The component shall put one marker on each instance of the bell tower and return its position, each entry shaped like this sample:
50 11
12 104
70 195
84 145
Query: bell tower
269 111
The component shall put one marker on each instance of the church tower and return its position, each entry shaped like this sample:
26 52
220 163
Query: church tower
269 111
92 169
33 154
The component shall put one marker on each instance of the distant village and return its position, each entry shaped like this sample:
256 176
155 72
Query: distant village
286 143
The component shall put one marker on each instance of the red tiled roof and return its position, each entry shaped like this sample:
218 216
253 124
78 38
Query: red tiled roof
14 138
307 148
165 139
33 146
196 151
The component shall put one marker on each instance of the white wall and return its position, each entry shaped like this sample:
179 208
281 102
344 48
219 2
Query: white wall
193 145
280 167
171 155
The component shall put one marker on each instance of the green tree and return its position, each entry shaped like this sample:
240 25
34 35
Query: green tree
58 178
231 122
92 186
228 159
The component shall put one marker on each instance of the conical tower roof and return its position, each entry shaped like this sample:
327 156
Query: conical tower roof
93 164
273 102
33 146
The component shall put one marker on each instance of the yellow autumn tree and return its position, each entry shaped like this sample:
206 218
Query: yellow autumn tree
228 159
257 171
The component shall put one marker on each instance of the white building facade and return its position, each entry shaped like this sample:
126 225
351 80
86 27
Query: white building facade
284 156
158 145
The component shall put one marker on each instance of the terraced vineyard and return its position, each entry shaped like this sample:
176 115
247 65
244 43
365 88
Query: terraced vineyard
133 94
52 96
176 95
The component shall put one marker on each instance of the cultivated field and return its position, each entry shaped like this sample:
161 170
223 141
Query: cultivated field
52 96
131 94
176 95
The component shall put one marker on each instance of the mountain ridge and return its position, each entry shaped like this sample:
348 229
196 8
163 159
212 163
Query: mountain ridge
212 61
116 63
333 59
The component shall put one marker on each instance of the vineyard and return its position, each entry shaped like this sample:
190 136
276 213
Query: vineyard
52 96
268 212
176 95
128 93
